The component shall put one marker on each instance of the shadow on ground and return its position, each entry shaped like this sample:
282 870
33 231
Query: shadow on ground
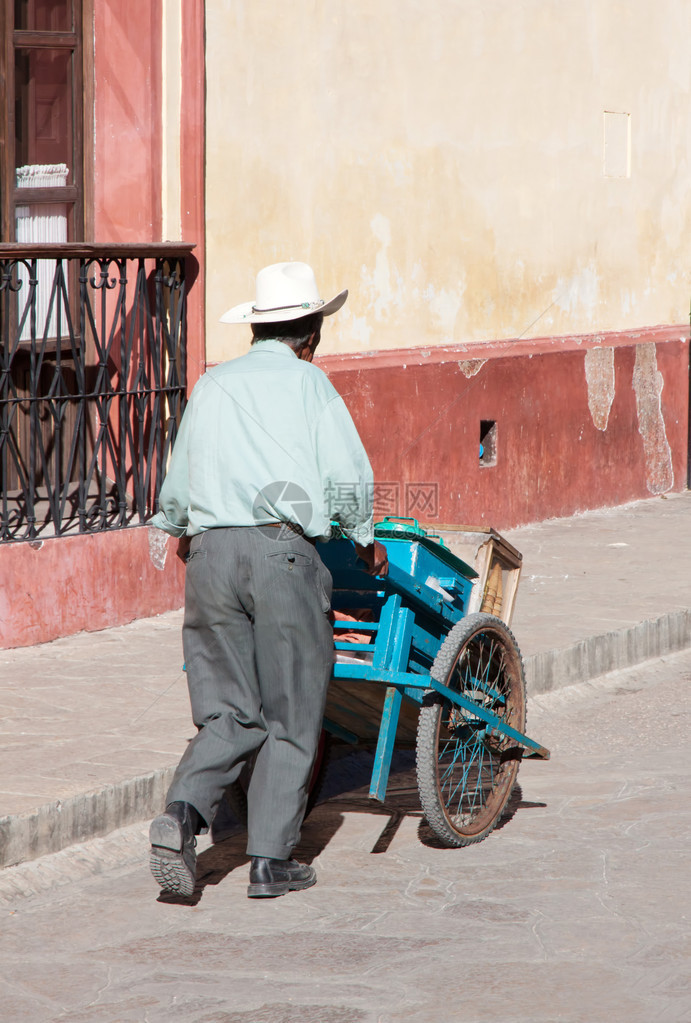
345 790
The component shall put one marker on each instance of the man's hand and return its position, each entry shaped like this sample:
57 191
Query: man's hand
184 548
375 557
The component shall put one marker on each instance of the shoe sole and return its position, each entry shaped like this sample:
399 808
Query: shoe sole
166 861
272 889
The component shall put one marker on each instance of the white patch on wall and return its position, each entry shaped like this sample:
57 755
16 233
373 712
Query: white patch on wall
399 171
356 327
384 283
444 307
599 376
470 367
158 547
387 288
579 293
647 384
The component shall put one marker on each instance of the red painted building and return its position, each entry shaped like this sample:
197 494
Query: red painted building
513 432
83 124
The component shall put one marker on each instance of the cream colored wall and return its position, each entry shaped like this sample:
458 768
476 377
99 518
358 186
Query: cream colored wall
171 72
445 160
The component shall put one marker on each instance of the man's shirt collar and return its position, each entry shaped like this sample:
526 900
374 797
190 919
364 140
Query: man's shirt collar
271 345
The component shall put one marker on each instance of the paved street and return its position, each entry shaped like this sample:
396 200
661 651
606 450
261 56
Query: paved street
93 724
577 909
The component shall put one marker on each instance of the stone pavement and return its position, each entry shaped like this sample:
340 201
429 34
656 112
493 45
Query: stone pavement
576 909
93 724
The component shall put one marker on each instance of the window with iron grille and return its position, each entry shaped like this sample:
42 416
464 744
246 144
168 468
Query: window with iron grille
86 428
92 337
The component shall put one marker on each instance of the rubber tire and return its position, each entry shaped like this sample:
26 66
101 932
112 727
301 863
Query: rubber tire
464 807
236 794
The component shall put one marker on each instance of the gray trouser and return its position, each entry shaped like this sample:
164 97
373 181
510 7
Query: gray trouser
259 654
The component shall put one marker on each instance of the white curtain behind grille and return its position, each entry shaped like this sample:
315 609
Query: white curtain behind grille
42 222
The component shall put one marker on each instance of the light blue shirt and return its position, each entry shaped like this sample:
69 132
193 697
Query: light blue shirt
267 438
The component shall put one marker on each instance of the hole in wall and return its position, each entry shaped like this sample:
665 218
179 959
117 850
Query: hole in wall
488 442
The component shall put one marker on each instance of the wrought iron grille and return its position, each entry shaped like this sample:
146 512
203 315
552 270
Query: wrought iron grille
92 384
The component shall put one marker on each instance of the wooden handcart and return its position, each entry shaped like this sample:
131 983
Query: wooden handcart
428 673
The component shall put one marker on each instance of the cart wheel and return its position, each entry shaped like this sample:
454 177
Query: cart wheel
236 794
465 774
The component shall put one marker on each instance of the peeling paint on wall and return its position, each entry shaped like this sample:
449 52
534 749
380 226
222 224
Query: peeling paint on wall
647 385
388 289
158 547
444 307
357 328
578 295
385 283
469 367
599 376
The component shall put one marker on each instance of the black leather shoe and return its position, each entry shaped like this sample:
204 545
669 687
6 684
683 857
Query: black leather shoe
173 859
269 878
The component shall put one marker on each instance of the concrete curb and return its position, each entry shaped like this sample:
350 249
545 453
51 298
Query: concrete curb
610 651
57 825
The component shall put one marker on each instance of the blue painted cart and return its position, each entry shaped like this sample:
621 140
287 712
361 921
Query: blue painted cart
428 675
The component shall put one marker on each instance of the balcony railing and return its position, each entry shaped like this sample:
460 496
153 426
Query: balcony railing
92 383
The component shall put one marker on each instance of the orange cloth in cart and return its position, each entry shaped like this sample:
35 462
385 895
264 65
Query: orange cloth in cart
352 636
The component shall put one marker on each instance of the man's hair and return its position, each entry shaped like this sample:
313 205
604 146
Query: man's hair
294 333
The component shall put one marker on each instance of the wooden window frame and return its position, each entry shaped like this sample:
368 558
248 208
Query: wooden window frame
78 195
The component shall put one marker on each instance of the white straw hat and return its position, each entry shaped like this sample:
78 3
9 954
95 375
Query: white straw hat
284 291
